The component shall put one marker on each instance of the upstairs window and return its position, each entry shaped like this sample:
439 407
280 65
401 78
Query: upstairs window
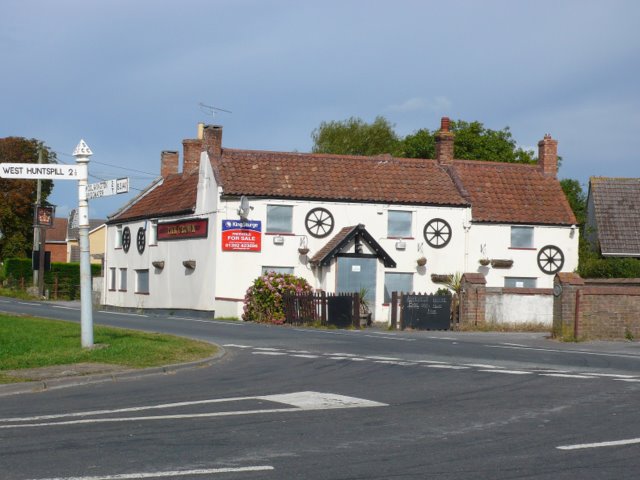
153 232
521 237
399 224
279 218
117 241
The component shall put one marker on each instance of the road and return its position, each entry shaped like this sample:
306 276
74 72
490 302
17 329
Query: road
295 403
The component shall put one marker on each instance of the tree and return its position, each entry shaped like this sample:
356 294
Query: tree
17 197
576 197
473 141
356 137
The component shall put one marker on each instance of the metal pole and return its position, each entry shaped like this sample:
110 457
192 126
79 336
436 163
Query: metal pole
37 231
82 154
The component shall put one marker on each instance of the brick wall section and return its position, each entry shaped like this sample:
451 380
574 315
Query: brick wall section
191 155
597 309
473 299
168 163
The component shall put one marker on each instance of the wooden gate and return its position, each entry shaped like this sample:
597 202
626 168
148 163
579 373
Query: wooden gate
341 310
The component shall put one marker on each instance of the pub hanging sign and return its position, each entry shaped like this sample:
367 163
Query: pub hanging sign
197 228
242 235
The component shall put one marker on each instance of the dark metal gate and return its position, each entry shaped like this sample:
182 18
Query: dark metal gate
422 311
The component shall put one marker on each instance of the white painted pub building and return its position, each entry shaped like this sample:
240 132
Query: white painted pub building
196 239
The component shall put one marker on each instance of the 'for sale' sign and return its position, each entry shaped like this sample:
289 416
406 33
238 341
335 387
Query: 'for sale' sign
242 235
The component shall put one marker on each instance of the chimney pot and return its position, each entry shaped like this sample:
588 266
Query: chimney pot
168 163
548 156
444 142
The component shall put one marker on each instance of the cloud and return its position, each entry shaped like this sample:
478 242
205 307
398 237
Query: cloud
414 104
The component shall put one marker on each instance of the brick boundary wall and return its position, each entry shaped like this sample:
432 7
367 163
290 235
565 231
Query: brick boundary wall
596 309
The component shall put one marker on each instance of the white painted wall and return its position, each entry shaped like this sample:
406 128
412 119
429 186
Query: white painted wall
512 308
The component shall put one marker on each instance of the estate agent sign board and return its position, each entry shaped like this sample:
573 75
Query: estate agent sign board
243 236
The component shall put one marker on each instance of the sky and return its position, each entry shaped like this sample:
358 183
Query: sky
129 76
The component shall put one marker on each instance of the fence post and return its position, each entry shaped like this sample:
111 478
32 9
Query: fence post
55 285
394 310
323 308
355 318
401 312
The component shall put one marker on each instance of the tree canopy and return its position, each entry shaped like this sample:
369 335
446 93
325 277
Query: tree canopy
473 141
17 197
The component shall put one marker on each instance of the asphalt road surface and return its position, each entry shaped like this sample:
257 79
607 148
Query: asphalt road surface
296 403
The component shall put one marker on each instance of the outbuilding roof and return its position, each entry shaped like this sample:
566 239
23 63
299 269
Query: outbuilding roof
616 205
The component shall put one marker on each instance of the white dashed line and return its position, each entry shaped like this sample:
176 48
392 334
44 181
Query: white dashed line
269 353
304 355
510 372
615 443
564 375
450 367
173 474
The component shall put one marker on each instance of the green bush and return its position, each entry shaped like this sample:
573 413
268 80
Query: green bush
263 300
63 279
592 265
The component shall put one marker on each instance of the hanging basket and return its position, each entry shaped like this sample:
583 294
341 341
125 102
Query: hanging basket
440 278
421 262
303 250
484 262
501 263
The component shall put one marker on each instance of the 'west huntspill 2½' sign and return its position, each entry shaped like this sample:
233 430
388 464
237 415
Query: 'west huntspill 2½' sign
240 235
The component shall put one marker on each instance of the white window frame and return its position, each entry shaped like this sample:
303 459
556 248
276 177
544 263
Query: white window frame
112 279
122 280
526 282
393 231
527 243
139 287
282 208
285 270
117 241
389 290
153 232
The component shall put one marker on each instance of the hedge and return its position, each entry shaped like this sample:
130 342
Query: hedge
62 281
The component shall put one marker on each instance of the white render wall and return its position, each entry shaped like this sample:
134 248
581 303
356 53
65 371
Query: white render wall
496 240
518 309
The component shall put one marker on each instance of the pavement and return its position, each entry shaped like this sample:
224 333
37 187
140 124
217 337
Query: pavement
64 376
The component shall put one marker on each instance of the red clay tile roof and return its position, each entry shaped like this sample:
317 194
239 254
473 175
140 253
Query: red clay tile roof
59 231
512 193
175 195
336 178
616 204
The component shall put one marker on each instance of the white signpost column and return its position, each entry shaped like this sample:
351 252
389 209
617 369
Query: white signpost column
82 154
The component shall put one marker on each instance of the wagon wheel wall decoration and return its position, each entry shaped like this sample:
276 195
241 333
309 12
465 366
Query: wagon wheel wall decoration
437 233
319 222
550 259
141 240
126 239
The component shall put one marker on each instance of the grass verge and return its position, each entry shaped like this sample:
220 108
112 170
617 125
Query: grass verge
28 342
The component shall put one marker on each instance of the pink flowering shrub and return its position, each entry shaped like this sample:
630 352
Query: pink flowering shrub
263 300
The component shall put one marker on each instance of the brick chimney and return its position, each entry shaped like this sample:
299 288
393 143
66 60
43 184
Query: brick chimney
212 140
168 163
191 155
548 156
444 143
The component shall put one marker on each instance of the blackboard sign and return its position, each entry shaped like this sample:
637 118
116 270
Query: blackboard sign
426 312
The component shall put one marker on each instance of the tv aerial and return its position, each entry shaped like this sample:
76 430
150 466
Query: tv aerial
211 110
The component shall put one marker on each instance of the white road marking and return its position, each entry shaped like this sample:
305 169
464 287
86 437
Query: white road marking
392 338
615 443
480 365
565 375
582 352
612 375
451 367
123 313
393 362
65 308
177 473
295 402
431 362
28 303
236 346
511 372
199 320
269 353
631 380
382 358
268 349
304 355
341 354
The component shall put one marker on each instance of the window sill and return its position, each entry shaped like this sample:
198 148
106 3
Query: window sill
284 234
141 293
522 248
400 238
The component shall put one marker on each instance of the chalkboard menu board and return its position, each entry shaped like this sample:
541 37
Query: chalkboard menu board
426 312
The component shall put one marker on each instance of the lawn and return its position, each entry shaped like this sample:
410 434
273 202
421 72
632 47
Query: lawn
28 342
